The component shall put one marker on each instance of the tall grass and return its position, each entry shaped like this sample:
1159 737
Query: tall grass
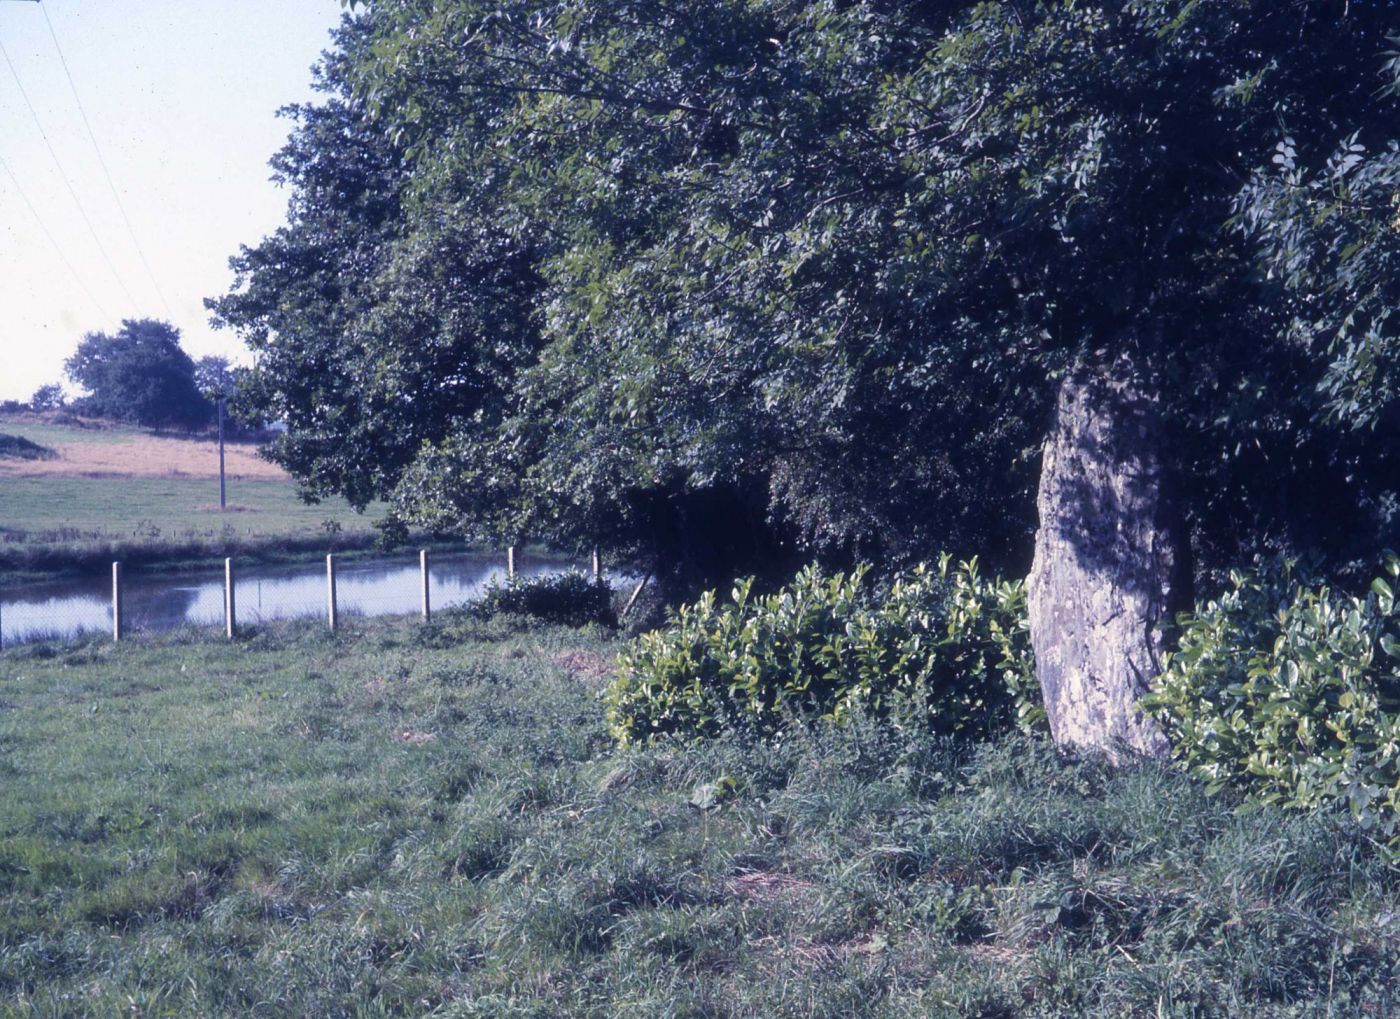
401 821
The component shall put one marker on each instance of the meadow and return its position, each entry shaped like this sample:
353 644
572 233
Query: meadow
402 820
107 491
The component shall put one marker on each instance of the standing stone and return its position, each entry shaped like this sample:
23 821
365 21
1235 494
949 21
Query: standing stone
1104 582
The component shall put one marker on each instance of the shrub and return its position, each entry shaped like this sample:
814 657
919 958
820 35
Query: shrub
1292 692
20 448
569 598
939 648
393 533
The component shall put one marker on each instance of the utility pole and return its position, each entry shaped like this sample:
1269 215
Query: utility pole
223 499
216 382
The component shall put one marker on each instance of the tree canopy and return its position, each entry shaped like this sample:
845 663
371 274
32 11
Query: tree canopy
215 377
709 281
47 397
138 374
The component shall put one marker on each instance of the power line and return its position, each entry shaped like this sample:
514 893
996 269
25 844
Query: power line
66 182
58 248
92 136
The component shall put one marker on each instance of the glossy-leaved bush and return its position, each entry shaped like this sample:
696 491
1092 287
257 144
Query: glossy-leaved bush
939 647
1291 691
570 598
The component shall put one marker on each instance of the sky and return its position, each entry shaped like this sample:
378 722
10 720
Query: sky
182 97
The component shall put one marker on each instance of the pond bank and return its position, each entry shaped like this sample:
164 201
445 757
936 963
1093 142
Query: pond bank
23 564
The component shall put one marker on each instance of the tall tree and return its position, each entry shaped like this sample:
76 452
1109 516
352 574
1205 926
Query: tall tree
139 374
380 324
839 268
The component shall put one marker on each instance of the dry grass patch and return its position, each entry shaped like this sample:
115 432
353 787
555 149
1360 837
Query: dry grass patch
768 886
147 456
589 666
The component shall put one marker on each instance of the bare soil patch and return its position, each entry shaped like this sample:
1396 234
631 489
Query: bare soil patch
589 666
768 886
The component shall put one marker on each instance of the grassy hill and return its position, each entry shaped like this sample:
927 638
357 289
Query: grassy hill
432 822
101 489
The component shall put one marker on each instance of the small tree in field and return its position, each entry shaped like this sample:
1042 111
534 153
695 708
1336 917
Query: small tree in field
139 374
48 397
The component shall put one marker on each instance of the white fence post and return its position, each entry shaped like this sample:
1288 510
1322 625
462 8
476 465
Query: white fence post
423 569
230 611
597 566
330 591
510 562
116 601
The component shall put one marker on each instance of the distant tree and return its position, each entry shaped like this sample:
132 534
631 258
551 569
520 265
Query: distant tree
219 381
48 397
215 377
139 374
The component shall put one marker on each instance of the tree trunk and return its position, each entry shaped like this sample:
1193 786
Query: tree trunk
1104 582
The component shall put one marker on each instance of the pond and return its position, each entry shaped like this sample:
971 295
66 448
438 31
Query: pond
66 608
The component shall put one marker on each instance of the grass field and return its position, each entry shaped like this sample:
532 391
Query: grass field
59 509
116 490
402 821
90 448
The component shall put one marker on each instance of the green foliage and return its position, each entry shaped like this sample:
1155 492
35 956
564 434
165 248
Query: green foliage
940 648
390 533
384 322
1292 692
1326 223
17 447
139 374
557 268
47 397
215 377
569 598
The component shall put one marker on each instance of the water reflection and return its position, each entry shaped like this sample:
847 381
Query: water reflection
55 609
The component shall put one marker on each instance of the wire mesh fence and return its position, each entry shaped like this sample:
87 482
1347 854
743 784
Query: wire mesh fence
123 603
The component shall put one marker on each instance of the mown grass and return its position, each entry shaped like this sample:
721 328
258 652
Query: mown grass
74 525
72 520
51 524
45 430
431 821
66 509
